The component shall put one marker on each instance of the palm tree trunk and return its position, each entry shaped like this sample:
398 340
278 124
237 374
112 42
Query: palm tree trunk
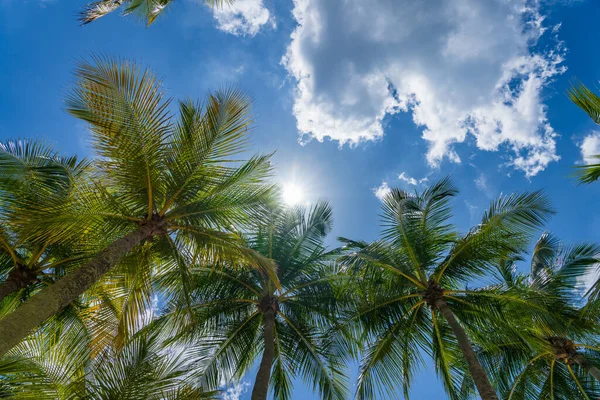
484 387
587 365
261 384
52 299
18 278
7 288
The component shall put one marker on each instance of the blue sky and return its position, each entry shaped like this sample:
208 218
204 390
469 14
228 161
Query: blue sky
353 95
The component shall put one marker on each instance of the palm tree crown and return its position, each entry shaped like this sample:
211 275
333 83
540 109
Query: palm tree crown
33 176
413 285
554 352
57 364
247 313
171 185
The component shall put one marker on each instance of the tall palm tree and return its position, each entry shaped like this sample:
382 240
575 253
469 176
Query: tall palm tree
147 10
589 102
176 183
33 173
413 285
554 353
248 313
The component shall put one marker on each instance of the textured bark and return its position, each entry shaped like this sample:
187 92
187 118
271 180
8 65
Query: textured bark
261 384
18 278
7 288
52 299
587 365
484 387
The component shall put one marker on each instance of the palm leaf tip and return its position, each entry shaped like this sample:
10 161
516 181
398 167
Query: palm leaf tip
589 173
526 211
98 9
587 100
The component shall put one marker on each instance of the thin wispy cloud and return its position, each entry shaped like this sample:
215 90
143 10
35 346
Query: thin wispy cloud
473 211
412 181
462 68
482 183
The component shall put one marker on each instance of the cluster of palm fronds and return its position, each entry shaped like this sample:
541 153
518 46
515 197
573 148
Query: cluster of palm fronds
167 267
145 10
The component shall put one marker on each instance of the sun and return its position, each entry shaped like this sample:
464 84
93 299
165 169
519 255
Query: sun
293 194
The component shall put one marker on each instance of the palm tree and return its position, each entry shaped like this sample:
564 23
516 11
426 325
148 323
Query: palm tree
104 345
32 173
552 354
58 365
177 184
147 10
589 102
412 283
247 313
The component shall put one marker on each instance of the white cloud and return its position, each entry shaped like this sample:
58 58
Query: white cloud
481 182
412 181
235 392
460 67
408 179
382 191
243 17
473 210
590 147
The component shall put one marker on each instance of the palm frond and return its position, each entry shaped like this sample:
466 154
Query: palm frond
145 10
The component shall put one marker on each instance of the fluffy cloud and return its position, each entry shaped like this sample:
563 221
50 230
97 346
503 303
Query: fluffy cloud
461 68
382 191
590 147
243 17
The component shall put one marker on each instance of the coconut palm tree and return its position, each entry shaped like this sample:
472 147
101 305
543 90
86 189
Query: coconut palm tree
553 353
147 10
104 345
58 365
248 314
589 102
33 173
177 183
413 283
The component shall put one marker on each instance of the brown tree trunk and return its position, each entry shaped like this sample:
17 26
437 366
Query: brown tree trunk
18 278
484 387
261 384
587 365
52 299
7 288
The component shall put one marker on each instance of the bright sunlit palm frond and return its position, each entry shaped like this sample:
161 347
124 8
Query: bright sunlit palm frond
180 181
146 10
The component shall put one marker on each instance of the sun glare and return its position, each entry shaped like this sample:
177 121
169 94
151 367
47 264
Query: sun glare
293 194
